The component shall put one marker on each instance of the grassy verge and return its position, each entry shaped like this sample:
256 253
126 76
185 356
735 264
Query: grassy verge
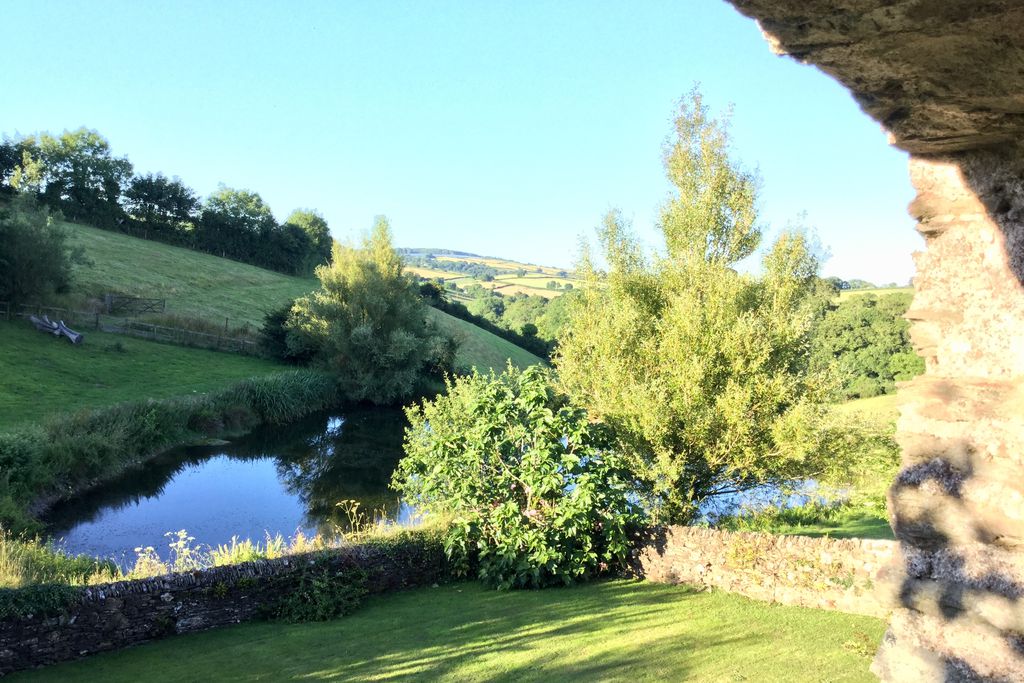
73 451
616 630
839 521
41 375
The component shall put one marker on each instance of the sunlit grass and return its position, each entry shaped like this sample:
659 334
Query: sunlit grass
612 631
41 374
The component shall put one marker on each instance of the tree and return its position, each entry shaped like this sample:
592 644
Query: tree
35 259
702 370
867 341
164 205
533 489
315 227
367 323
75 173
233 223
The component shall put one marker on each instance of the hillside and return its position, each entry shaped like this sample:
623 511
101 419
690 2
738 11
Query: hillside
212 288
463 270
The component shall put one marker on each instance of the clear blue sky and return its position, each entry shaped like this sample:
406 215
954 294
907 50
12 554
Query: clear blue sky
502 128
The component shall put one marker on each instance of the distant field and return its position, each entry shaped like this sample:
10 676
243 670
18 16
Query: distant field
883 408
533 282
209 287
880 291
41 374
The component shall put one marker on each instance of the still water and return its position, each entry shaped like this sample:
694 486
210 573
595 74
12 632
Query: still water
276 480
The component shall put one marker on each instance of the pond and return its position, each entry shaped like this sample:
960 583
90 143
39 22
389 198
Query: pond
276 480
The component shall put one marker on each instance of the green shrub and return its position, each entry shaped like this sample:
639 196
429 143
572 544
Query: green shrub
45 599
322 593
535 492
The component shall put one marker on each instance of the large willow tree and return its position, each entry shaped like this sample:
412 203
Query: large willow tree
367 324
701 369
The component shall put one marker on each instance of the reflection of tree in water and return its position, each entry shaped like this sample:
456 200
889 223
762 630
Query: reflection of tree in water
349 458
321 460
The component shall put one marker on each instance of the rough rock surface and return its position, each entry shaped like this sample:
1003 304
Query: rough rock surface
946 78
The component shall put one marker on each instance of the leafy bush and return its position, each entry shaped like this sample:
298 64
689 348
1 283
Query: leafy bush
323 593
535 492
367 324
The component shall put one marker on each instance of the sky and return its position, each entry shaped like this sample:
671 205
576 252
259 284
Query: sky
498 128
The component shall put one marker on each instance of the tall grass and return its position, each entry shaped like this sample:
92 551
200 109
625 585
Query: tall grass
74 450
26 562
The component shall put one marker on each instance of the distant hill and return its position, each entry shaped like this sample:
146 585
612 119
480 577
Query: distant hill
459 272
226 292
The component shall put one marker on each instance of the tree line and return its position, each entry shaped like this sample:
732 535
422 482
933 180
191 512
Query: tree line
76 174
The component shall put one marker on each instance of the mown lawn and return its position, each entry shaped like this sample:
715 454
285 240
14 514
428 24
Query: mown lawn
613 631
41 374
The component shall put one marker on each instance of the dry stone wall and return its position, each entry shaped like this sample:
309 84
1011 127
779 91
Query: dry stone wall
116 615
945 78
847 575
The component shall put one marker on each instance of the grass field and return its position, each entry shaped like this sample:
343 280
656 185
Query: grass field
41 374
883 408
611 631
879 291
212 288
194 283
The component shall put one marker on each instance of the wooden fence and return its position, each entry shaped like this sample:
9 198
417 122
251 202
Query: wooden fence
134 305
135 328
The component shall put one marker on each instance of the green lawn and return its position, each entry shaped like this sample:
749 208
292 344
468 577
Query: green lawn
613 631
205 286
41 374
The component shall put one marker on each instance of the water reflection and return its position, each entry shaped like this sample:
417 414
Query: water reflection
275 480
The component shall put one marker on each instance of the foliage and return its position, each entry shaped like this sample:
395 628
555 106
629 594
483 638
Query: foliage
367 324
35 260
315 228
457 309
702 370
43 599
77 174
74 172
163 208
866 338
535 492
28 561
323 593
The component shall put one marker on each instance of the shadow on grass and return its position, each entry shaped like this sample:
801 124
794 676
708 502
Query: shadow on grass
616 630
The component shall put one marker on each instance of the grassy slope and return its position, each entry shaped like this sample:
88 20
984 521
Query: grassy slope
41 374
610 631
479 348
213 288
194 283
